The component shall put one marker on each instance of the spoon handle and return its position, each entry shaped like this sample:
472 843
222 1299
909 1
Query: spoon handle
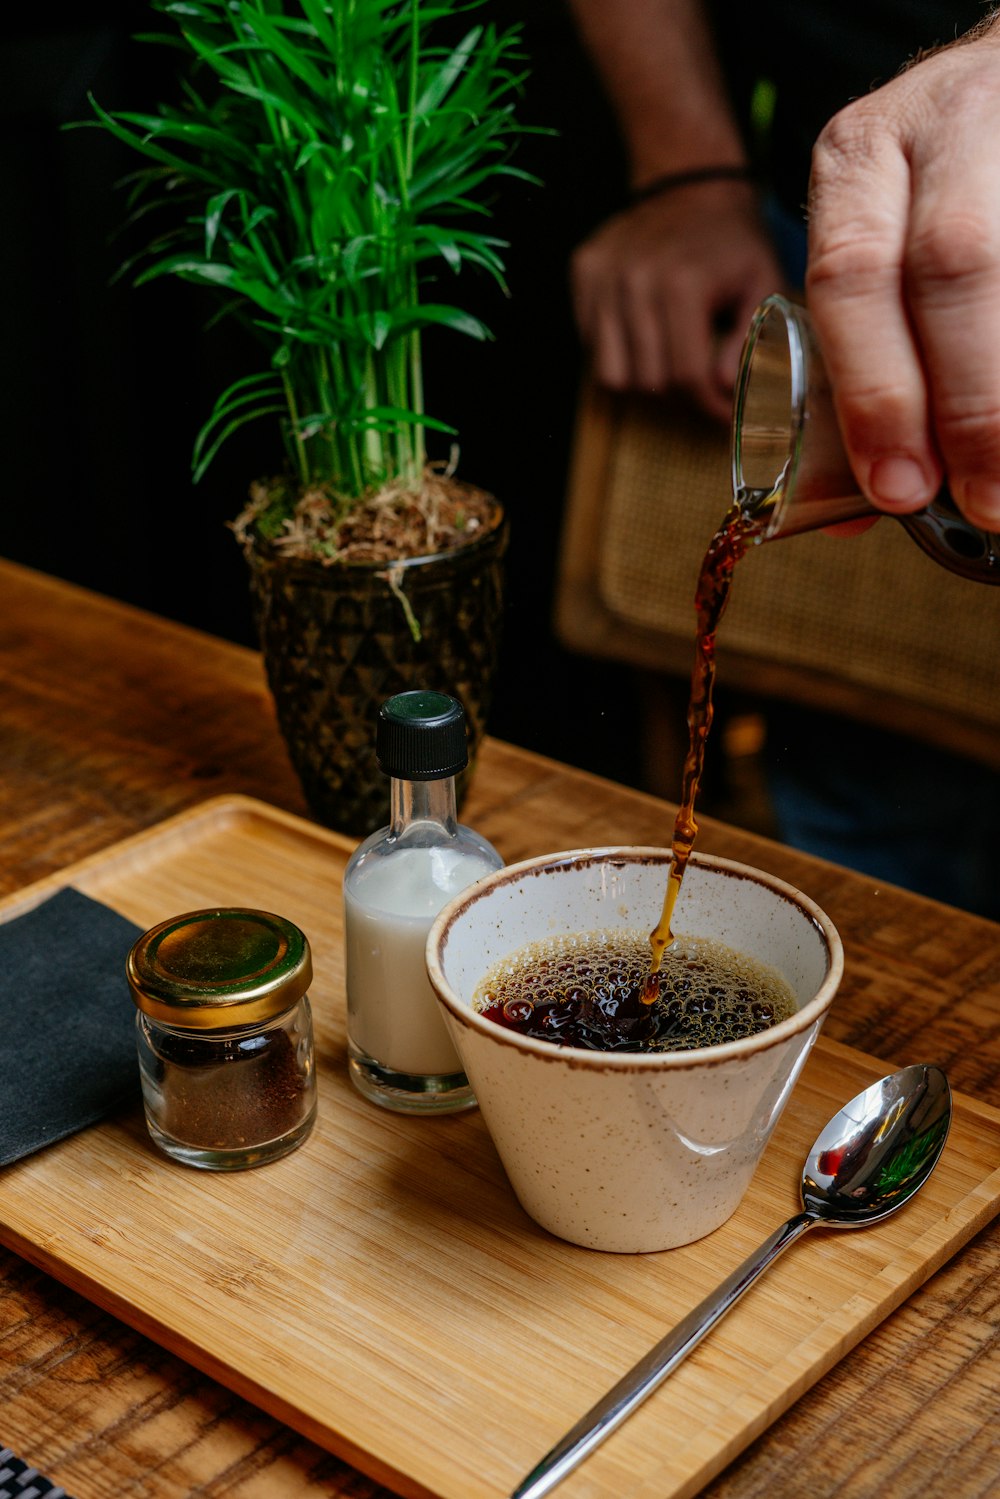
644 1377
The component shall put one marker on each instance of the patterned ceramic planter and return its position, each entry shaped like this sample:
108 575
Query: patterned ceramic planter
338 640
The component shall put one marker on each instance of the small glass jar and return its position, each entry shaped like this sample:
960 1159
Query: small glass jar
224 1034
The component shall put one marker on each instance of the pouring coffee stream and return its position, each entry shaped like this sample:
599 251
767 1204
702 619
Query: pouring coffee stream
871 1158
790 475
712 594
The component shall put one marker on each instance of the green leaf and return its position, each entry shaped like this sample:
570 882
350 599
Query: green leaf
443 79
213 216
211 272
378 326
457 246
283 46
384 418
202 457
446 317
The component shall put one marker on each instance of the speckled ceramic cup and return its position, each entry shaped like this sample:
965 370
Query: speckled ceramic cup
631 1152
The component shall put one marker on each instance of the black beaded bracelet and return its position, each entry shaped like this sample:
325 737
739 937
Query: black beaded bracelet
670 180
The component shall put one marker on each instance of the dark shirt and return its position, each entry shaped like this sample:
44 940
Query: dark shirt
818 55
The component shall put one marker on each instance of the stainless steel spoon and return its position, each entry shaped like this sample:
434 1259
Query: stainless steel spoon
868 1161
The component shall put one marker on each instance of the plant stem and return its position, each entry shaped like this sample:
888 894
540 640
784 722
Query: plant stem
374 447
417 389
300 448
417 447
411 103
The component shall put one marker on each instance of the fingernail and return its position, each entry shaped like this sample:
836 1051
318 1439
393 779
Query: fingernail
899 480
979 499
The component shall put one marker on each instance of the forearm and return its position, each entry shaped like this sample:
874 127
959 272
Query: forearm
657 61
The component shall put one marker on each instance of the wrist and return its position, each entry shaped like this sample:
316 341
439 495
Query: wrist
667 182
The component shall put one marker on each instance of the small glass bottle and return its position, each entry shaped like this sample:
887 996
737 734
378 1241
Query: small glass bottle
396 882
224 1035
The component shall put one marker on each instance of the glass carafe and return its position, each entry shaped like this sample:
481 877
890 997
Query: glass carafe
790 471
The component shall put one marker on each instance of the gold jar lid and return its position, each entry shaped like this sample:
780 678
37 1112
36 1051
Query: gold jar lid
221 967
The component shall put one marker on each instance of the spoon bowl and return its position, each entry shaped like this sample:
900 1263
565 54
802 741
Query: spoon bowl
874 1154
879 1149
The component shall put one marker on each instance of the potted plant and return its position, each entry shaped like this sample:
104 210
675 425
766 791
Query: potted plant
328 174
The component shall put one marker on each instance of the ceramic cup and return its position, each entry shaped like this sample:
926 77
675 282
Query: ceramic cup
618 1151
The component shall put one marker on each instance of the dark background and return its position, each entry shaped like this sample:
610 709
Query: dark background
105 386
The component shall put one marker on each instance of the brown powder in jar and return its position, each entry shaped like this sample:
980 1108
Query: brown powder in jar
230 1094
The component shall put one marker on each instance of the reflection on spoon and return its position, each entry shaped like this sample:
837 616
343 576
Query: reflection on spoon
868 1161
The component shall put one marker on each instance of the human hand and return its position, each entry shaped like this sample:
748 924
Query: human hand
903 280
665 291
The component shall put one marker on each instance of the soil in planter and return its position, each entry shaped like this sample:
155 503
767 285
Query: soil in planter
392 525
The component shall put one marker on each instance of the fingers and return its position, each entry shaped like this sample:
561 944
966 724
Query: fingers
641 325
729 345
904 282
604 332
651 287
693 344
858 216
953 282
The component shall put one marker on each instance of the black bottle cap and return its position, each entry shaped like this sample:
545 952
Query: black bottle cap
421 736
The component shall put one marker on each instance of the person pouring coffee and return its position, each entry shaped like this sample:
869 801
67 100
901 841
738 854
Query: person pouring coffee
903 268
733 119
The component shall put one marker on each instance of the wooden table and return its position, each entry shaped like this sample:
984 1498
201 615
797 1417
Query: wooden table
111 720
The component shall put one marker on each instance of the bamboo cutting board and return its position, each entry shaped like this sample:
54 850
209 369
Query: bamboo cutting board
380 1289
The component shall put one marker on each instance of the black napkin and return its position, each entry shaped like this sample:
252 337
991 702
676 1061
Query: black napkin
67 1021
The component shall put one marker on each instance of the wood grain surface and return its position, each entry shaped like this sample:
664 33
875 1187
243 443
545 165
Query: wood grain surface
111 720
382 1291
